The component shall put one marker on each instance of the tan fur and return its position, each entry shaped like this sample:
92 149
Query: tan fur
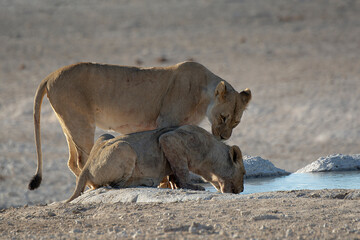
145 158
131 99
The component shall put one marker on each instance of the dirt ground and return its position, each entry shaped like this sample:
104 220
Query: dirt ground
307 215
300 59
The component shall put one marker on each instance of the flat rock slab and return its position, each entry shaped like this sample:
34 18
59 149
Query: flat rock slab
147 195
151 195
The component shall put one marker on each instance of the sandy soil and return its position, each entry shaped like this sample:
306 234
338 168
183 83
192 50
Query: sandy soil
300 59
305 215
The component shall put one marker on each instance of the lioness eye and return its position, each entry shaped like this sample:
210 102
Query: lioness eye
223 118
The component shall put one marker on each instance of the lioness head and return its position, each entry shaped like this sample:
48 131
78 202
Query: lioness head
227 110
237 180
233 181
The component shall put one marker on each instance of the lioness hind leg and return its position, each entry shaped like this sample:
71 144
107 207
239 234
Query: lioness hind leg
78 155
72 163
78 124
80 141
176 154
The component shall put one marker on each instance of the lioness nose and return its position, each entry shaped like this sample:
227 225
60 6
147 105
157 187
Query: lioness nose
225 135
236 191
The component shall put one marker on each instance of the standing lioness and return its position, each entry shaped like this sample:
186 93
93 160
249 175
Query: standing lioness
132 99
145 158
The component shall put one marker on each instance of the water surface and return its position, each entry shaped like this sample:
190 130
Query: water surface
297 181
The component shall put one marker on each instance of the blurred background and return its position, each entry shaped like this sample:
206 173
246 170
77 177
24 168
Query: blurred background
301 59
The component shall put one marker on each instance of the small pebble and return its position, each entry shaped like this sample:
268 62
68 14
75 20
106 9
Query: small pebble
78 222
51 214
288 233
217 226
223 233
245 213
76 230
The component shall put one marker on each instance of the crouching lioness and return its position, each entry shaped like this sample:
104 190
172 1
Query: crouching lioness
145 158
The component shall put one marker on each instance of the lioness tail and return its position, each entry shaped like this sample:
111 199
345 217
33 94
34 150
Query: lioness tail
40 92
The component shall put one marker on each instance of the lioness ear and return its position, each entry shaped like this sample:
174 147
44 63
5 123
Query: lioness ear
220 90
245 96
235 154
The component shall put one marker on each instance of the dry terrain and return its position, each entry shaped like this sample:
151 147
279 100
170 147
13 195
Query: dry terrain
281 215
301 59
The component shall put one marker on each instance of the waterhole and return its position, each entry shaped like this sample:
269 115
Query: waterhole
297 181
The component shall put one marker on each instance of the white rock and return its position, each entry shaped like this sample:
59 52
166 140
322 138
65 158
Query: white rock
338 162
259 167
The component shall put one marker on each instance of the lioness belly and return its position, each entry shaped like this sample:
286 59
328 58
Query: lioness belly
124 123
125 128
